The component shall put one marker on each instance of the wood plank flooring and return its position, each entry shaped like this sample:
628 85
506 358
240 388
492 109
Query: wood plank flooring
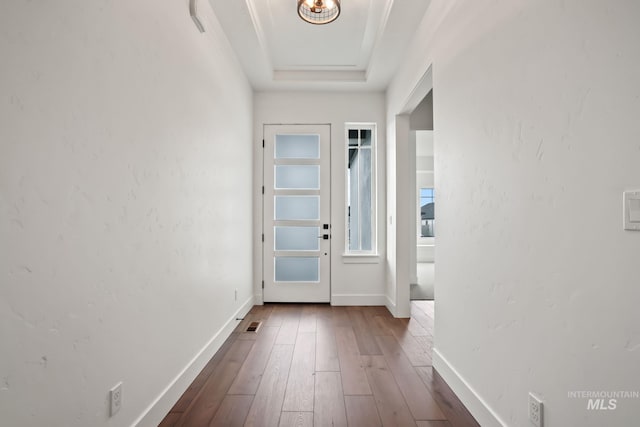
317 365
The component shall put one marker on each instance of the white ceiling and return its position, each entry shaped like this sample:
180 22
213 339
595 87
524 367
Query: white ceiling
358 51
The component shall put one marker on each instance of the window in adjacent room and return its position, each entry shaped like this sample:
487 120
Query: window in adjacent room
360 152
427 213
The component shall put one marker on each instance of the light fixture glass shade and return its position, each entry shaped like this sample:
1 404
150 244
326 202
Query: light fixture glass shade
319 11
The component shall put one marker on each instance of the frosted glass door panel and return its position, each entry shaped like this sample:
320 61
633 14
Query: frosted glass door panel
297 208
297 269
306 177
297 238
297 147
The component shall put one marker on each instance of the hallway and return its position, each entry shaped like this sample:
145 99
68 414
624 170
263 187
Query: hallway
321 365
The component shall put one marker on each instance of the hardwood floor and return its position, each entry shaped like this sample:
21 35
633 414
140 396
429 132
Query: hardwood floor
313 364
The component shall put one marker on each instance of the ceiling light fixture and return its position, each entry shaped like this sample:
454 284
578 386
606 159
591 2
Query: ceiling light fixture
319 11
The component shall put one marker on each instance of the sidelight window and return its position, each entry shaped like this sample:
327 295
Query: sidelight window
360 179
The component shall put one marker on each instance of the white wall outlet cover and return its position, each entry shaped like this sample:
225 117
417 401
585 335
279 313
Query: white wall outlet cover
535 410
631 210
115 397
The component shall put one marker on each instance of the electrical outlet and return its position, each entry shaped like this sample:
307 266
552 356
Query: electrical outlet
535 410
115 395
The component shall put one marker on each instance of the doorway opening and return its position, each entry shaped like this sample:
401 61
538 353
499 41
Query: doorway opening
416 115
422 260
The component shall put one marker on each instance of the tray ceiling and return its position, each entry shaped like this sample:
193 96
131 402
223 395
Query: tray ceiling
360 50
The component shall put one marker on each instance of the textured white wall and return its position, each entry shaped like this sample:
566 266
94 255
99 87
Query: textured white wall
125 203
536 106
352 283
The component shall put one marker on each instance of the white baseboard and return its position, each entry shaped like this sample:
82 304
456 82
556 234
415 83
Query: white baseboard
170 395
474 403
358 299
257 299
391 305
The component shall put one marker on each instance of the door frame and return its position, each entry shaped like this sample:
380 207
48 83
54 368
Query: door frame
261 190
405 235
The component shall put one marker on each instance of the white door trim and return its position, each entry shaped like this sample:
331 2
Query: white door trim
285 290
405 196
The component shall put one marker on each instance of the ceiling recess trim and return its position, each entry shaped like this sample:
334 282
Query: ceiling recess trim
320 75
302 73
257 26
380 31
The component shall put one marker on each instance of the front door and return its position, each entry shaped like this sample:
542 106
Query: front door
297 232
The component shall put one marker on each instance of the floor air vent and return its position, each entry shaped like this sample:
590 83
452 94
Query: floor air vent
253 327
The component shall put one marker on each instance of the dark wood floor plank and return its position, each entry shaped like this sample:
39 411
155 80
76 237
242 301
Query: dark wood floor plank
267 403
421 317
415 328
301 382
328 405
289 328
197 384
433 424
378 310
232 412
308 318
278 314
376 327
414 351
340 316
452 407
426 342
313 364
324 313
362 411
204 406
354 378
421 404
382 323
392 408
296 419
248 378
428 307
259 313
383 311
366 341
242 326
171 420
326 350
